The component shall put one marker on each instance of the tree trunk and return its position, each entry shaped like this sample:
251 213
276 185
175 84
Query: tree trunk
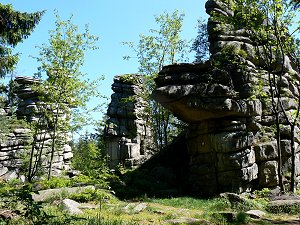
293 170
278 139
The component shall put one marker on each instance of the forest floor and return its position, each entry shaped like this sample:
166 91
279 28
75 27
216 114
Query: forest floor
162 213
21 205
182 210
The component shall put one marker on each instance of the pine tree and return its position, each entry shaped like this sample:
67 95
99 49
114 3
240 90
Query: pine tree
14 27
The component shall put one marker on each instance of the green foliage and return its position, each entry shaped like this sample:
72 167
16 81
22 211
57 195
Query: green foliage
17 197
264 193
211 205
8 120
242 218
64 94
60 182
162 47
100 180
230 56
201 45
55 182
298 190
9 124
290 209
130 78
88 195
90 160
61 60
99 220
14 27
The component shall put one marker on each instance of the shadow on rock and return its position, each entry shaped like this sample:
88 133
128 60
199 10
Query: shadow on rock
164 175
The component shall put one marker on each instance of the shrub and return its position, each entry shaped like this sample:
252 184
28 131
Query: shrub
290 209
89 159
92 195
264 193
242 218
18 198
54 182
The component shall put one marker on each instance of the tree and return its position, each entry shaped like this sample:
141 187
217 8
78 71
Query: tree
200 44
161 47
14 27
295 3
268 23
88 156
64 90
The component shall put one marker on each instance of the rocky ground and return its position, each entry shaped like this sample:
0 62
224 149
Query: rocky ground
228 208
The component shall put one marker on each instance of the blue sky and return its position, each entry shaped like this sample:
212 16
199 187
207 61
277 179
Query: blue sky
113 21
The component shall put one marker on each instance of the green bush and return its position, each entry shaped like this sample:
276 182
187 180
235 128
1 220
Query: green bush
264 193
92 195
290 209
17 197
83 179
54 182
242 218
89 159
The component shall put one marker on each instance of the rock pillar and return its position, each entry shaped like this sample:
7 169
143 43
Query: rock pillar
28 109
231 137
127 134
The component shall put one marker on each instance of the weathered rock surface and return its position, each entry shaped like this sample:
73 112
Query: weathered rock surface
135 208
233 198
71 206
256 214
17 143
230 139
6 214
127 135
43 195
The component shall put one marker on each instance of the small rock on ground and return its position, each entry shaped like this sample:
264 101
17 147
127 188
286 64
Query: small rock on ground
6 214
233 198
71 206
46 194
140 207
184 220
88 206
256 214
131 207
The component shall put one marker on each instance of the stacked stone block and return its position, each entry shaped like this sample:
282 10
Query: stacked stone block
127 135
17 144
231 138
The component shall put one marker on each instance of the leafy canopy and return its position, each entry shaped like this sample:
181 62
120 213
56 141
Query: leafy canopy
163 46
61 60
14 27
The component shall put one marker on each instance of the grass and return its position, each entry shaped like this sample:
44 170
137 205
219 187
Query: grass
158 211
215 204
112 211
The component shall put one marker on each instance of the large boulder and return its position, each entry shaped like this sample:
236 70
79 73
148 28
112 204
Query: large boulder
231 134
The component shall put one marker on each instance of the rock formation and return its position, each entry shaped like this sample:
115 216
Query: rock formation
230 139
127 135
17 144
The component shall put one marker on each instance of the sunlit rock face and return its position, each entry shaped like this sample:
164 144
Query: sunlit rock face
230 139
15 146
128 137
